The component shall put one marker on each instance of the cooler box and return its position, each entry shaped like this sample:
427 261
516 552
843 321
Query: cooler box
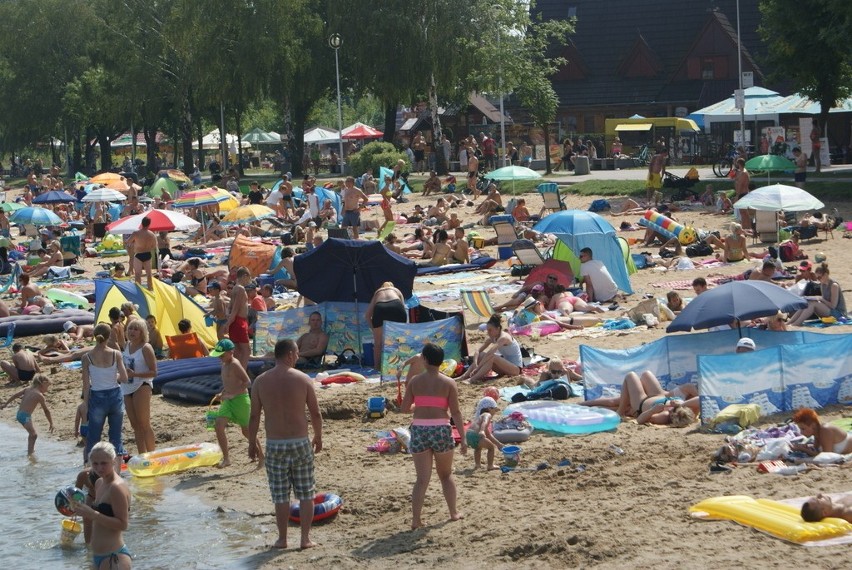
265 279
501 218
505 251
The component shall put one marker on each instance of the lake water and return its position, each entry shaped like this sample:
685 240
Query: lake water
168 528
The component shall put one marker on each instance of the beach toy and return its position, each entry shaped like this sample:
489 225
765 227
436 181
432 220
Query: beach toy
448 367
61 296
64 497
326 505
511 455
778 519
71 529
376 407
668 227
565 418
174 459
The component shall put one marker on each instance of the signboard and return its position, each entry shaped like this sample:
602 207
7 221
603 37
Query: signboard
748 79
739 99
738 139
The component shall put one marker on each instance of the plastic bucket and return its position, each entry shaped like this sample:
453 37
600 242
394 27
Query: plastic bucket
511 455
376 405
367 359
70 530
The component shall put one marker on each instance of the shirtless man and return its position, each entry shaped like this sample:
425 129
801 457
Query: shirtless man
432 184
438 211
235 405
418 145
656 169
741 183
765 273
461 249
353 198
312 344
23 366
218 308
30 292
144 243
237 322
817 508
285 392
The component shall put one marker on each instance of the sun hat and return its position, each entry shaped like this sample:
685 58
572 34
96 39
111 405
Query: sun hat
68 325
485 403
222 347
746 342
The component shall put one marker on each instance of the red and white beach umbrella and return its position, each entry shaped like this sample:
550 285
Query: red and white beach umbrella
161 221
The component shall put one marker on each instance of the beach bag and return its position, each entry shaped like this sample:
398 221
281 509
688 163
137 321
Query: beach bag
600 205
787 251
347 358
700 249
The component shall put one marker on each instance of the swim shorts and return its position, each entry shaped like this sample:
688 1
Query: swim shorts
25 375
23 417
472 438
351 218
290 464
437 438
143 256
655 180
237 409
239 330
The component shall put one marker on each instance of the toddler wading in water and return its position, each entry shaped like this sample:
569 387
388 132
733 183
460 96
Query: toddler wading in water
31 398
478 434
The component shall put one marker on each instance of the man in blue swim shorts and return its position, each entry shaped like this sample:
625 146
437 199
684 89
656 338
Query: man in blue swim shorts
285 392
353 199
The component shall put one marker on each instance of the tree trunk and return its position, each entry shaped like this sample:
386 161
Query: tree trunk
106 151
441 165
546 149
298 139
151 148
78 153
238 117
89 151
390 121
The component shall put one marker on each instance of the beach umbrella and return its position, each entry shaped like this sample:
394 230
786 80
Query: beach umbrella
36 216
513 173
161 184
735 301
248 214
104 195
198 198
106 177
770 163
230 201
54 197
11 206
779 197
560 269
161 221
122 185
80 177
174 175
361 131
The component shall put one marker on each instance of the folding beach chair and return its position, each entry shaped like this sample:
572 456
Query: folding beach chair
766 226
11 279
527 253
184 346
477 302
506 233
552 198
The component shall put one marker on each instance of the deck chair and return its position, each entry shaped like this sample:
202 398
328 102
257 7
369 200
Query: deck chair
527 253
552 198
766 226
477 302
10 336
184 346
506 233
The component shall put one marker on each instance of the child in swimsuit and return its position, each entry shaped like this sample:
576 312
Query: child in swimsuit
31 398
478 434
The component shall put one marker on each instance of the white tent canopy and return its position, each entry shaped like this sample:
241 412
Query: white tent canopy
321 135
212 141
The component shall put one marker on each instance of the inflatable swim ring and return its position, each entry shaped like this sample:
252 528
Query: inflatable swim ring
62 296
174 459
565 418
512 435
326 505
777 519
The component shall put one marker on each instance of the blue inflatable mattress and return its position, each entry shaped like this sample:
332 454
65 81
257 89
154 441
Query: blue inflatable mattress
31 325
171 370
195 390
478 263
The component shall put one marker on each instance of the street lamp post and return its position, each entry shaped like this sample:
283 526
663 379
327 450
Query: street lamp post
500 88
335 41
740 67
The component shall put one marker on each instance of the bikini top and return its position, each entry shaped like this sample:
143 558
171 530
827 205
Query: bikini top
105 509
432 402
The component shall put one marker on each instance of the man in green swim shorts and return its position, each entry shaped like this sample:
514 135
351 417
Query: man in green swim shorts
235 402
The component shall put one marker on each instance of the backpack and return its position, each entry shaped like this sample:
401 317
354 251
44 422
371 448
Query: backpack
787 251
699 249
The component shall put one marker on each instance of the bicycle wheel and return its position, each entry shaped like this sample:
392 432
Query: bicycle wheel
725 167
716 169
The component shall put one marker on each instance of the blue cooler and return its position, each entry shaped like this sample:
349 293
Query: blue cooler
265 279
501 218
505 251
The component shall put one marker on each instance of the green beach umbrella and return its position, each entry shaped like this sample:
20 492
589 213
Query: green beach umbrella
513 173
770 163
11 206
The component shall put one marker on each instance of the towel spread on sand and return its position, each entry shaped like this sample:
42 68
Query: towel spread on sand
686 284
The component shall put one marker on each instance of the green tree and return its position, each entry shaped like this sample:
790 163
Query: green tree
808 45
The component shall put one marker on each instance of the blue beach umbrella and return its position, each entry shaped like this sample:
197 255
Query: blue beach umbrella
36 216
737 300
54 197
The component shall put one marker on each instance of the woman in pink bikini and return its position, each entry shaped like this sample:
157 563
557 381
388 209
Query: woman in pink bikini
433 395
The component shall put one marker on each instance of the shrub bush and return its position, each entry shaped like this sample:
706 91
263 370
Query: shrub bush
375 155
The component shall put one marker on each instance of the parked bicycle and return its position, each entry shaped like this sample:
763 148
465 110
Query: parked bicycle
723 166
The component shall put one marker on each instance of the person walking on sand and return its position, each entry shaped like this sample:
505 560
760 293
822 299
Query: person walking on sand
235 405
656 169
237 322
31 398
143 243
284 392
352 198
433 394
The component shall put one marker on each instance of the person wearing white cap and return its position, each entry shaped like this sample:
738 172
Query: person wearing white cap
78 332
745 344
478 435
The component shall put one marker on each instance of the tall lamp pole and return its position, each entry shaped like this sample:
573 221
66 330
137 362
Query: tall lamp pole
740 66
335 41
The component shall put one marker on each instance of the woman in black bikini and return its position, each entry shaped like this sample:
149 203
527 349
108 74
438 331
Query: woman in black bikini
387 304
110 513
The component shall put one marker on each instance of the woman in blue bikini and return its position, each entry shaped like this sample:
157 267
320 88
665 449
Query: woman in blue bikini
644 398
110 513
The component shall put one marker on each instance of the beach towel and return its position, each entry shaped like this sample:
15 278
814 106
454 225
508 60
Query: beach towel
686 284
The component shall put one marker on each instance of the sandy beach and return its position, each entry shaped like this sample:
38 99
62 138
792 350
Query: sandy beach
603 510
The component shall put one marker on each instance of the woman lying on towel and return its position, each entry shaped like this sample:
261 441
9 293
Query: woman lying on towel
644 398
826 437
533 310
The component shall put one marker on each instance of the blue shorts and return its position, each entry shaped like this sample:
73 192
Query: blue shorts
351 218
23 417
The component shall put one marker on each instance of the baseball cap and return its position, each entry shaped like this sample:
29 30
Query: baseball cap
222 347
805 265
68 325
538 287
746 342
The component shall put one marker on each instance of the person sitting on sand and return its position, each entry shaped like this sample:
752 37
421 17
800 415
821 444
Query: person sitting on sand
500 353
821 506
422 248
644 398
53 345
734 246
826 437
442 251
830 302
313 344
479 436
23 366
